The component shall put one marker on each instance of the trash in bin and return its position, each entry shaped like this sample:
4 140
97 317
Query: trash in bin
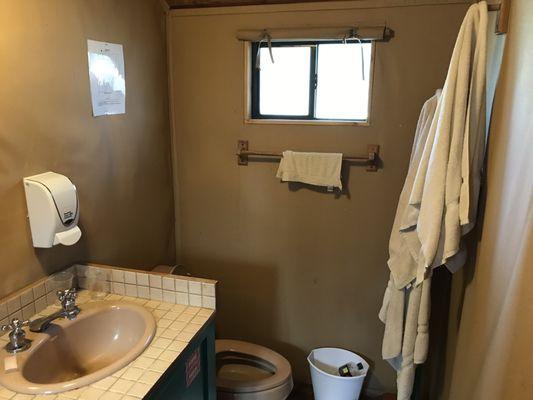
327 382
352 369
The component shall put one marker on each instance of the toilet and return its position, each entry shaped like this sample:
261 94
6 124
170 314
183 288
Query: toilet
247 371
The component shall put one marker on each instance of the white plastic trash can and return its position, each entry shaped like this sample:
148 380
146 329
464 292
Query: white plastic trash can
327 384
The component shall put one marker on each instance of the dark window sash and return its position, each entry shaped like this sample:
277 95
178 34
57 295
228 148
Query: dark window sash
313 81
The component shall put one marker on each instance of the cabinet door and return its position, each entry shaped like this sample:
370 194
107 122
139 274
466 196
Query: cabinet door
192 376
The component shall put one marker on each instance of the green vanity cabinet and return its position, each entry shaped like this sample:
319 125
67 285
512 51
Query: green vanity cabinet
192 375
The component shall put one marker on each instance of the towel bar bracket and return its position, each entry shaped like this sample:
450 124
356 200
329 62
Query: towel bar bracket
371 160
373 157
242 149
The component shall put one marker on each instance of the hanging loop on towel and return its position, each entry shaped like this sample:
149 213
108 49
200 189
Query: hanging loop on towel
266 37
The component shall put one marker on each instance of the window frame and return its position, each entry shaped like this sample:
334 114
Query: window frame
252 86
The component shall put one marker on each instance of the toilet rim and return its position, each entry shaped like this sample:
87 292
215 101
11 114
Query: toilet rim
281 376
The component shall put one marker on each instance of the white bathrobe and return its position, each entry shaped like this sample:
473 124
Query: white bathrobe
405 312
438 202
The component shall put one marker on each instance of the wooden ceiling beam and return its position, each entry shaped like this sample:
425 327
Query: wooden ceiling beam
176 4
501 6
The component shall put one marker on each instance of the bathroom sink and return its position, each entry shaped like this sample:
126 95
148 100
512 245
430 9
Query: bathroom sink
104 337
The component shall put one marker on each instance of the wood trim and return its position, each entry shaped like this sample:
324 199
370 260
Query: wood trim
180 4
502 25
164 6
328 5
187 4
317 122
503 8
247 46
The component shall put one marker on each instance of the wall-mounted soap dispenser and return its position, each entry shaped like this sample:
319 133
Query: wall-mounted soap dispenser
53 209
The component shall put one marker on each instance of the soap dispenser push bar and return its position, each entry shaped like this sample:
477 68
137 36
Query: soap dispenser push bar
371 159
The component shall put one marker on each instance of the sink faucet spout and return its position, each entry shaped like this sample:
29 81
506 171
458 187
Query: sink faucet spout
69 310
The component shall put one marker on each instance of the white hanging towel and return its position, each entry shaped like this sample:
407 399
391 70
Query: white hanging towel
443 200
438 202
321 169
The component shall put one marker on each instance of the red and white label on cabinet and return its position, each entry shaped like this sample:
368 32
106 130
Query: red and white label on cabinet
193 366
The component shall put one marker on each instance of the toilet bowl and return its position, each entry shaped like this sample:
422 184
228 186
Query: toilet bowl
247 371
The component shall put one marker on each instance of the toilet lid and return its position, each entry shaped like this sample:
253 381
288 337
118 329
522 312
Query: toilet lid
259 367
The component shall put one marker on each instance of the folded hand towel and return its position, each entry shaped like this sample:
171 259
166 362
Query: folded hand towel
321 169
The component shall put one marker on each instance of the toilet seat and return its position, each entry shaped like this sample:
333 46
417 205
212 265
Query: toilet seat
256 356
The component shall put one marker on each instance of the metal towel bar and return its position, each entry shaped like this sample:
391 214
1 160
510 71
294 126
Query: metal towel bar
371 159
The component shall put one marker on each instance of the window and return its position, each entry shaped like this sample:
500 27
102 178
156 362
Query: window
319 81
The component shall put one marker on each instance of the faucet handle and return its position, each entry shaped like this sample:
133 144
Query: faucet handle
67 295
68 302
16 324
17 336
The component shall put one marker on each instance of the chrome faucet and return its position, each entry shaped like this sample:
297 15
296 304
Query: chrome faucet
17 336
69 310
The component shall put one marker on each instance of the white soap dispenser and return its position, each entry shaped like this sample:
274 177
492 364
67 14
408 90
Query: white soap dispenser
53 209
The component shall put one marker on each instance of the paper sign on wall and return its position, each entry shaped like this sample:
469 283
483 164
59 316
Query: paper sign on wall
107 79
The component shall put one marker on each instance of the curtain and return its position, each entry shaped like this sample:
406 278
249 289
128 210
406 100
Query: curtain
490 350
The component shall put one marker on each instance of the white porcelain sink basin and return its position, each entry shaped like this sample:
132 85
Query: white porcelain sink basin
103 338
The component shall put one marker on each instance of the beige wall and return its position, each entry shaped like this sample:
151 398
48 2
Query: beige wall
490 348
299 268
120 164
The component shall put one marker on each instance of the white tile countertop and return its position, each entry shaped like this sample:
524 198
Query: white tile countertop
177 324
